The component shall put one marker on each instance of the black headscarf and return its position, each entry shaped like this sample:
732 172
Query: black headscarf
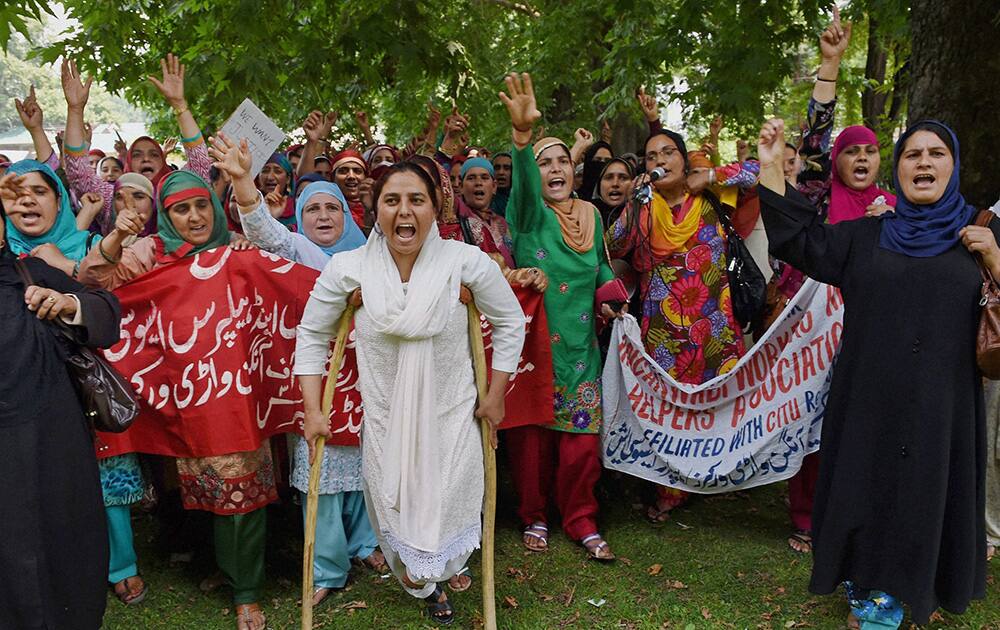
592 170
608 212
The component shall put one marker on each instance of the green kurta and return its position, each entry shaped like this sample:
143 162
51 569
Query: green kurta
569 300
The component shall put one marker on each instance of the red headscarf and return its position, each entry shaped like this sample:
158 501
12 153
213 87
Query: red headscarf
163 171
345 156
846 203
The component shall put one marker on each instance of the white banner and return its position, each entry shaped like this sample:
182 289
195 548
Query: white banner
749 427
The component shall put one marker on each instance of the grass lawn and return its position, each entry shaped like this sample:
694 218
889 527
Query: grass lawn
721 562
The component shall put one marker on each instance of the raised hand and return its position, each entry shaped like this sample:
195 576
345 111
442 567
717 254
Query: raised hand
29 111
606 131
91 204
583 136
318 125
230 158
12 188
361 117
169 145
275 203
834 40
742 150
650 108
171 85
456 124
714 129
521 104
128 221
771 142
76 91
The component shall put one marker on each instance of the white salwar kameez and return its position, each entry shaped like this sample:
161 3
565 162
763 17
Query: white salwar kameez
423 470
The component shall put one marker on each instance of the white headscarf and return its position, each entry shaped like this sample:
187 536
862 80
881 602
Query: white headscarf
411 481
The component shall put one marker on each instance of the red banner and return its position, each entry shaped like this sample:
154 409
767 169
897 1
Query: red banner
529 394
208 343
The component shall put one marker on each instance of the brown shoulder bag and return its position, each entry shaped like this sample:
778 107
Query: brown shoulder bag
988 340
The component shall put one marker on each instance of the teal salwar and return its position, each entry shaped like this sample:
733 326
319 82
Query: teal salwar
343 531
122 559
239 552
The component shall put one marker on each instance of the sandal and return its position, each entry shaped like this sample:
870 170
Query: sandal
250 617
127 594
377 563
440 611
801 541
465 572
599 550
530 533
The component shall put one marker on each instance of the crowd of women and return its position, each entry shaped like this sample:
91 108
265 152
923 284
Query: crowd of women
409 235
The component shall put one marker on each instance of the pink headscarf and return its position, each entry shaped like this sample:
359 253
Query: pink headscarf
846 203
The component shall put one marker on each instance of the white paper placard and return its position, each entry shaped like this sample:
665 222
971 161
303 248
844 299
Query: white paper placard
263 136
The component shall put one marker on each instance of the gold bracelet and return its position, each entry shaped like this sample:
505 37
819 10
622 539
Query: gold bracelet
178 112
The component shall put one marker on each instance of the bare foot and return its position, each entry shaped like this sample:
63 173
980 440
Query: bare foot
250 617
460 582
376 562
801 541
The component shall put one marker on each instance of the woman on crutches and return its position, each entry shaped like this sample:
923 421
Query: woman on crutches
421 453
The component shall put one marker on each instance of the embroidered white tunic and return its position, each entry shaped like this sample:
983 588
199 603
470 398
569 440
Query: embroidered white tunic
451 505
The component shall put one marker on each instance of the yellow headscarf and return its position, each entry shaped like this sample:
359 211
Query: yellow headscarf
668 236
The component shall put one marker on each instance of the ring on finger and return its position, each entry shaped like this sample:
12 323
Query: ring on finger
51 299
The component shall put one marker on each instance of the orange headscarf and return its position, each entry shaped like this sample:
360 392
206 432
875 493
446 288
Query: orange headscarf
576 217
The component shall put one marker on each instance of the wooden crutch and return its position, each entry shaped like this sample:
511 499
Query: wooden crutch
490 468
312 502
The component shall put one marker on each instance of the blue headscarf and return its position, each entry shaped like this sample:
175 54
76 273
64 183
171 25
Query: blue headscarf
63 233
350 238
926 230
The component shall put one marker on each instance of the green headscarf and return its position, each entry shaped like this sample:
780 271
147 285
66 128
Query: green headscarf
175 184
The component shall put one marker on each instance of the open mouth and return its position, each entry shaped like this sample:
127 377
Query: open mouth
147 170
479 194
198 229
924 180
29 218
860 173
406 232
615 195
556 184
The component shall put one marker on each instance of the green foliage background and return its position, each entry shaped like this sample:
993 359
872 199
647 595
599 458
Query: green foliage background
742 59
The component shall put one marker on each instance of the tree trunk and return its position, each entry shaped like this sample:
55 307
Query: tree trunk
954 66
872 99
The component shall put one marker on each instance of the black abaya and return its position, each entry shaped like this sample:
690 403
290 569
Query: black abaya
901 495
53 534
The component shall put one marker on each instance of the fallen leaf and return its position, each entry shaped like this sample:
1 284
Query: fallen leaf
597 603
509 602
780 590
706 613
625 561
790 624
355 605
682 525
676 584
569 620
546 598
655 569
936 616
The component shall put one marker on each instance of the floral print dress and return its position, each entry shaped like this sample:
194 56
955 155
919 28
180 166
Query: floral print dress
687 317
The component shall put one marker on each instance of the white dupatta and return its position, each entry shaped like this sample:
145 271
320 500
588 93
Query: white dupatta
411 480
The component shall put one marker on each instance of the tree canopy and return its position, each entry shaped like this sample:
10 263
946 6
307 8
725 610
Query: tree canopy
740 59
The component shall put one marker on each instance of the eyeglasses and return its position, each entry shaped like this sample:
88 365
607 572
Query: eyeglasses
665 152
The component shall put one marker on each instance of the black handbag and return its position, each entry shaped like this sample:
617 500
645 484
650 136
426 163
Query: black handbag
747 286
107 399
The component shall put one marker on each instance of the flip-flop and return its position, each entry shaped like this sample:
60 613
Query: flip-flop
804 538
656 516
127 597
434 608
532 530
